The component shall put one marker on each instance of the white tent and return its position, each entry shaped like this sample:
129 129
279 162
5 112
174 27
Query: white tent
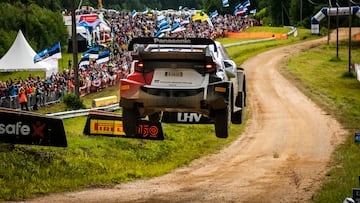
20 57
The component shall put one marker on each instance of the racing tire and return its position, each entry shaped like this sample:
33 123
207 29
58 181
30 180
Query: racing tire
129 121
222 122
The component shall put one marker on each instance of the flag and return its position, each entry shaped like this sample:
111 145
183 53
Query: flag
176 25
253 11
177 28
238 6
213 14
160 18
133 13
103 57
225 3
162 23
165 28
40 56
240 11
54 52
93 52
84 61
185 21
201 16
159 34
246 3
146 11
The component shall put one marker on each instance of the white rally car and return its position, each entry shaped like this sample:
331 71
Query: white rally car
182 75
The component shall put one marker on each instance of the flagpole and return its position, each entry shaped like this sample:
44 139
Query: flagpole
75 49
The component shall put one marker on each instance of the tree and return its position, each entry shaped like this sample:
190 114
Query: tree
43 27
279 12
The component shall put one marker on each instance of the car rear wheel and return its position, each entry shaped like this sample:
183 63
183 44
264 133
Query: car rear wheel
129 121
222 122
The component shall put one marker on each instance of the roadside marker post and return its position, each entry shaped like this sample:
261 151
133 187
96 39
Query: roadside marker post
356 195
357 137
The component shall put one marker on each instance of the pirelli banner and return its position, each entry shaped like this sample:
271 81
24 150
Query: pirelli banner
111 124
23 127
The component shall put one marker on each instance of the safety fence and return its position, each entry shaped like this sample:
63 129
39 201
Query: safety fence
35 101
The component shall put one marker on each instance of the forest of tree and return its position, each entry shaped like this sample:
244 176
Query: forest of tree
42 23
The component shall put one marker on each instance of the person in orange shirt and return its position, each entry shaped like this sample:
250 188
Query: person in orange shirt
29 90
23 99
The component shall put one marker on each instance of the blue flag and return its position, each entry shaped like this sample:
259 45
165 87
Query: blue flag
246 3
103 57
214 14
93 52
159 34
133 13
84 61
40 56
54 52
225 3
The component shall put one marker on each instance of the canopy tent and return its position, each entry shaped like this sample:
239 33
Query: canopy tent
20 57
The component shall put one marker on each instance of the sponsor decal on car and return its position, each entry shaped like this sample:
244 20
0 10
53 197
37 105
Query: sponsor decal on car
185 118
172 41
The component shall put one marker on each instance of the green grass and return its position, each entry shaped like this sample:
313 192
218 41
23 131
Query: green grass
92 161
327 81
279 30
240 53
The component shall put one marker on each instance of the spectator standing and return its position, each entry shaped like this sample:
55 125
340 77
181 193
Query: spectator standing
23 99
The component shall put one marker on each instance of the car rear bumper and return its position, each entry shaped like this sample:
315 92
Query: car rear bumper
154 99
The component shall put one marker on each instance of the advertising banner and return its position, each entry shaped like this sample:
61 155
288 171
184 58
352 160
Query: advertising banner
23 127
111 124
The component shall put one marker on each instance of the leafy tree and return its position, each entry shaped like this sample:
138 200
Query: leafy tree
42 27
45 27
42 23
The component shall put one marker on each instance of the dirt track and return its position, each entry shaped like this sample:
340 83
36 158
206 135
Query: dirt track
281 157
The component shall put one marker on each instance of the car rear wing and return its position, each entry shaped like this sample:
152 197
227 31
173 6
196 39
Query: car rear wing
176 56
189 41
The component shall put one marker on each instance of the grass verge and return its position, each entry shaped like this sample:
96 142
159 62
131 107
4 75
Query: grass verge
94 161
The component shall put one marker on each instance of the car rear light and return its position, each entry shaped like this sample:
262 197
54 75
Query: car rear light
210 67
139 66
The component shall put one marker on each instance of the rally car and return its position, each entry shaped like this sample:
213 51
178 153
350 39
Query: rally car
182 75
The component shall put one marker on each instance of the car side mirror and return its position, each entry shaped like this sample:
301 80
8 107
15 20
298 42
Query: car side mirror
230 68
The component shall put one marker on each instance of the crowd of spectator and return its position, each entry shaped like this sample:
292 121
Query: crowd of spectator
95 77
